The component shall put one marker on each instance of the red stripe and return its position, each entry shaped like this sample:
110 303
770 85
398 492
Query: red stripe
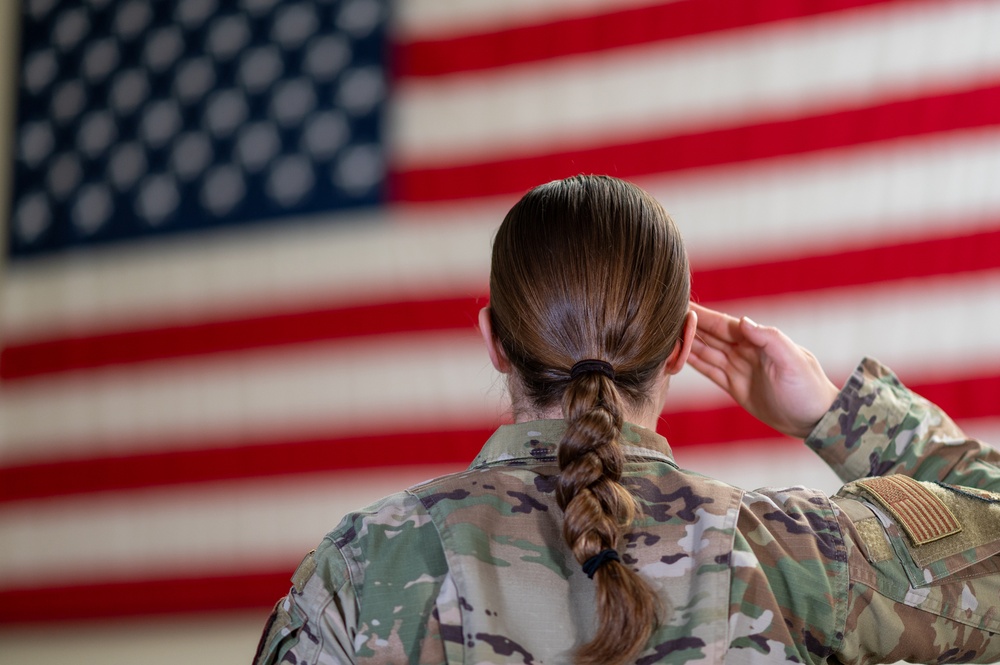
972 397
857 266
963 397
598 32
227 460
208 593
923 515
669 153
773 275
19 360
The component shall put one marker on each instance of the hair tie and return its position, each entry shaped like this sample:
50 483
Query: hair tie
585 366
591 565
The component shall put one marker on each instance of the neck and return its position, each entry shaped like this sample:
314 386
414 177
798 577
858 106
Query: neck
527 412
646 415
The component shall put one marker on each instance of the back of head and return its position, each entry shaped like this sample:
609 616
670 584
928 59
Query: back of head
591 268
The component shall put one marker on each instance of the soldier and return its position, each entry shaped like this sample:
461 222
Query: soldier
574 537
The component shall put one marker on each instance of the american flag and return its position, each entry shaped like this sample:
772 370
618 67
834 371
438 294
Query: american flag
248 241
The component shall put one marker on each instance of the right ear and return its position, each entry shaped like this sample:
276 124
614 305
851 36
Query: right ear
497 356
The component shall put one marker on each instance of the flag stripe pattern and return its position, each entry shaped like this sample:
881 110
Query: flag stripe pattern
907 118
590 33
193 411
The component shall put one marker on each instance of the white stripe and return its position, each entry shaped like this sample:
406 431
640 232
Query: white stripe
734 77
350 259
372 386
436 380
817 203
755 464
983 429
440 19
895 191
784 462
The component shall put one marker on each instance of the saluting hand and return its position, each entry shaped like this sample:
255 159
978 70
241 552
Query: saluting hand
773 378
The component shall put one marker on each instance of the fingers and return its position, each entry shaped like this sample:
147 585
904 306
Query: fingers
726 364
774 343
710 363
722 351
728 335
715 324
709 353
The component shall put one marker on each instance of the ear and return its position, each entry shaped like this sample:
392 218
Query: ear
497 356
677 358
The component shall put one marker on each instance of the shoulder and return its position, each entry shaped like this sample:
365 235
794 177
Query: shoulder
926 554
923 542
395 512
934 529
799 523
391 539
789 572
329 603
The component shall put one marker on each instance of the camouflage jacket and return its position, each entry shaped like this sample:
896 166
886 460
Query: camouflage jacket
471 567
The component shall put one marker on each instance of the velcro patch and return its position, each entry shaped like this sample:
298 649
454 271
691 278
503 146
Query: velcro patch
922 515
876 547
304 571
976 493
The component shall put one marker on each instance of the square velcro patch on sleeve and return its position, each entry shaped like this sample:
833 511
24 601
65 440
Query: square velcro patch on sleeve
922 514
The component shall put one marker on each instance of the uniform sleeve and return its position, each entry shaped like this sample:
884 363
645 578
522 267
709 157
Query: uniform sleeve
878 427
316 622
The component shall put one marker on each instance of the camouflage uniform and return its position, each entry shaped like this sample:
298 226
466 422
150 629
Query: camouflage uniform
472 567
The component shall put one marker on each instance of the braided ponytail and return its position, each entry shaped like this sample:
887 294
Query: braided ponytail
596 507
591 267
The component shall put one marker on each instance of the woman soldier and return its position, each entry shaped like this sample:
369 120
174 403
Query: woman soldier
574 537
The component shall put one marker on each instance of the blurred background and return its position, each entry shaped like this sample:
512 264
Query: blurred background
246 241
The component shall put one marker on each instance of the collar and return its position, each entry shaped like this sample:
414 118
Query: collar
539 440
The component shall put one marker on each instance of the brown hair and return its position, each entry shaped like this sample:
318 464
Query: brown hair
592 267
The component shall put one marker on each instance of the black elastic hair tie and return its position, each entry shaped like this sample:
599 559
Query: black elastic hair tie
591 565
585 366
